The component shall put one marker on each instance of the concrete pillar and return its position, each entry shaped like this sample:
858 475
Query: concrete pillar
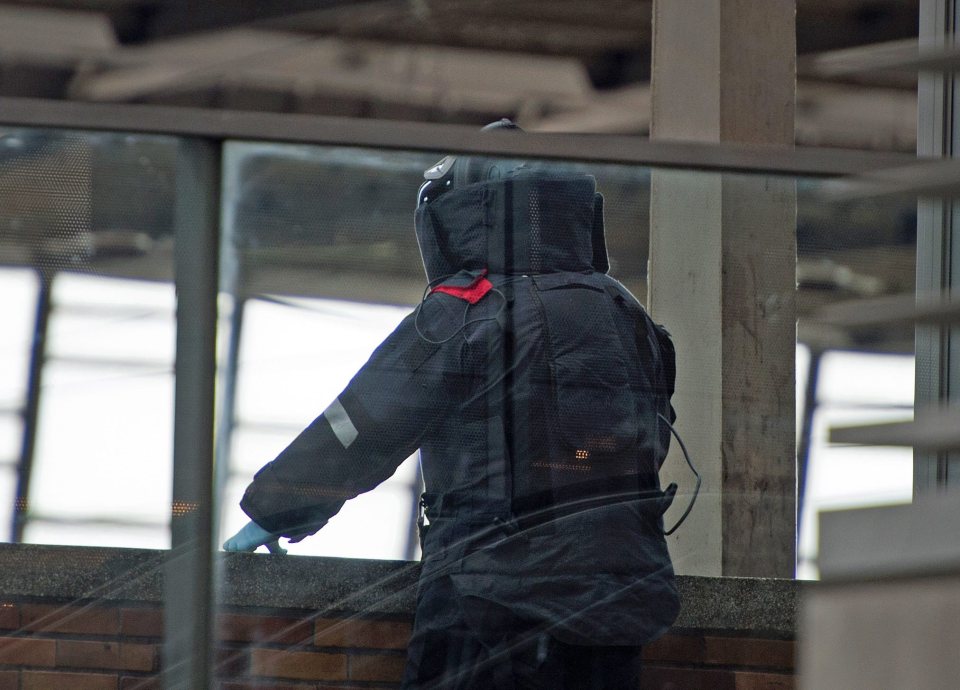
723 279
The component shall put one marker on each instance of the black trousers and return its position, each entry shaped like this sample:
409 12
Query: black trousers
462 643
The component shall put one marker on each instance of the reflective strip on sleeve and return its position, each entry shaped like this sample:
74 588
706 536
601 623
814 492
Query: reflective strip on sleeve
341 423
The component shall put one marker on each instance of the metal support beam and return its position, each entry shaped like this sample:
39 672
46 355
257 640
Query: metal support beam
727 155
806 430
188 598
31 409
938 243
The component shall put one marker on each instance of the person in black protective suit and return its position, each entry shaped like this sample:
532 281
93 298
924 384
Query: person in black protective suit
538 392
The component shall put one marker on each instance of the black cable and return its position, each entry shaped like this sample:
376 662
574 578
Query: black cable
693 469
419 310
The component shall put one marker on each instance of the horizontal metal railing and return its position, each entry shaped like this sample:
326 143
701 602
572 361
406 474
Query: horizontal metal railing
389 134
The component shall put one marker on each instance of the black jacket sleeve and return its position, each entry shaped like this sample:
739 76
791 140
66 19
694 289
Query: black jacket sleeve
375 423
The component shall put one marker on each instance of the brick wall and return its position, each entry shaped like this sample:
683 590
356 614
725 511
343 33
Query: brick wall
718 662
90 618
117 646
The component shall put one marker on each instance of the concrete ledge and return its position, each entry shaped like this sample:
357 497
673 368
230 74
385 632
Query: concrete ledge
739 606
746 606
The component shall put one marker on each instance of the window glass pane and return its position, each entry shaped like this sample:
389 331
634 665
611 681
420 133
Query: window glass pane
856 388
108 319
11 429
19 288
92 213
296 355
849 250
118 449
881 380
17 314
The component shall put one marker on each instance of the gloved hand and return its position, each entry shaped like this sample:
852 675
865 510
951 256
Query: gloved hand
252 536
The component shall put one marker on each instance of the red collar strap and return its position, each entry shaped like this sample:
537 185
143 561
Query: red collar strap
471 292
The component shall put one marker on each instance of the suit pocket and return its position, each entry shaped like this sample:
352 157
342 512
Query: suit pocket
592 400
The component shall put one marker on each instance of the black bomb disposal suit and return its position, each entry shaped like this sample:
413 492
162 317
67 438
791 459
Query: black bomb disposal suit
532 383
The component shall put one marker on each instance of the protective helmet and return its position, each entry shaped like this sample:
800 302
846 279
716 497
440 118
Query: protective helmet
453 172
506 215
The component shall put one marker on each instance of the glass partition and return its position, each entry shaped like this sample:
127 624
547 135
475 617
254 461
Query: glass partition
319 264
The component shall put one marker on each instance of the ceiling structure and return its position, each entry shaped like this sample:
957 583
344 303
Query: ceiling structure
564 65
